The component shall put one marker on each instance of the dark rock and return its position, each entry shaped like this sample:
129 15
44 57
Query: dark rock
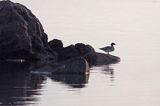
72 51
68 53
73 66
82 48
21 34
87 52
56 45
105 59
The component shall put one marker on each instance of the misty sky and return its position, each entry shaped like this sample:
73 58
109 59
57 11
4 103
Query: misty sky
96 18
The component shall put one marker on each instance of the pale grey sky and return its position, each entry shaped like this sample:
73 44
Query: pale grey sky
92 18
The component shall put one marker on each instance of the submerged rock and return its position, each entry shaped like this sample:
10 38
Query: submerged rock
21 34
71 66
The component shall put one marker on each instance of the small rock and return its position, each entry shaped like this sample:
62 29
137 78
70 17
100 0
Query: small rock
104 59
56 44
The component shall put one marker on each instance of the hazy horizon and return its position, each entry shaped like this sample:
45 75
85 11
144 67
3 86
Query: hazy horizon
92 18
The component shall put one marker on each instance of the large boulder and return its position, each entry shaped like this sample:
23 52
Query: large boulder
21 34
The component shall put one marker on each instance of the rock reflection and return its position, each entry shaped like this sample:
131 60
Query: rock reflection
73 80
17 85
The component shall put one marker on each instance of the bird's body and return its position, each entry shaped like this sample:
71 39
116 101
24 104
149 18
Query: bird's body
108 48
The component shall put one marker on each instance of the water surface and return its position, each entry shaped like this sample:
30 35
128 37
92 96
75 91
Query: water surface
132 24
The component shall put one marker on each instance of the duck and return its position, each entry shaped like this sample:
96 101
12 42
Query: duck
108 48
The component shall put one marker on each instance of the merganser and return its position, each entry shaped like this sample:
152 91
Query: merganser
108 48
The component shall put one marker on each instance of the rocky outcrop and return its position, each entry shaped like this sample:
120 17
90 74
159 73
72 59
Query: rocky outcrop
21 34
73 51
22 37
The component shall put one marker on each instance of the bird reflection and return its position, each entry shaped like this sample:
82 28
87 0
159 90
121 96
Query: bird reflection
109 71
73 80
17 85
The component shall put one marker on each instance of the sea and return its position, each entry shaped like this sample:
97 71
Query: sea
134 25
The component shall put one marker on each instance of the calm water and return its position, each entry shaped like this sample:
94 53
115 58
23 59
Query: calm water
132 24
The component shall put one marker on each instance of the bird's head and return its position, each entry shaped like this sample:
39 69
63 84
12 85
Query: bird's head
112 44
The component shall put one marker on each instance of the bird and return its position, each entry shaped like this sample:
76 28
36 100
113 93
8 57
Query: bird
108 48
